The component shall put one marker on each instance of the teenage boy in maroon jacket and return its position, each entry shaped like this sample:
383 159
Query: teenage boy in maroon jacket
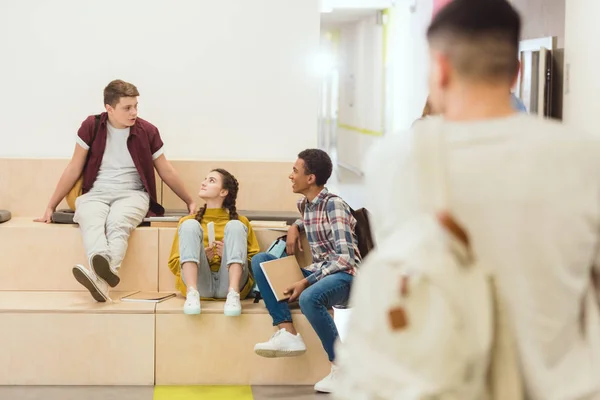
116 153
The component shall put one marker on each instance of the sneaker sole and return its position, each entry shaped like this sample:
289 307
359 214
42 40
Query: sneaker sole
236 313
279 353
323 390
101 267
192 312
89 285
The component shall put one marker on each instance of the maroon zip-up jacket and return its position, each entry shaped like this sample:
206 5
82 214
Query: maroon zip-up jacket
143 141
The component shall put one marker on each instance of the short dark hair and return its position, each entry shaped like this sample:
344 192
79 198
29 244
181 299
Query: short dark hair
317 162
480 37
117 89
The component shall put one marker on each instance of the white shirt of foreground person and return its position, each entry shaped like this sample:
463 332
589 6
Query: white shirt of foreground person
528 193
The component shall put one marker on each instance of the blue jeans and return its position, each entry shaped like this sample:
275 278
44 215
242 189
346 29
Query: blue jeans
332 290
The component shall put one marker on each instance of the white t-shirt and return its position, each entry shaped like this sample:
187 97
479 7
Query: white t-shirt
528 193
117 170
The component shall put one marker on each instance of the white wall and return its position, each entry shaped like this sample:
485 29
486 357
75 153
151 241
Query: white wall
410 62
221 79
582 83
368 4
404 88
361 89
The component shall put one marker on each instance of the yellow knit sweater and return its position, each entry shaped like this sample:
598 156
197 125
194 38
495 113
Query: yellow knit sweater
220 217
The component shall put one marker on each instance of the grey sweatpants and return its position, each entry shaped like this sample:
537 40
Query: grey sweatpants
106 220
191 249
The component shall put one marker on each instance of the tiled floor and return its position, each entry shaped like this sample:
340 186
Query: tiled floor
288 393
160 393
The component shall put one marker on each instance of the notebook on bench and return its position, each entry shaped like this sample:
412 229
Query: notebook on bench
148 297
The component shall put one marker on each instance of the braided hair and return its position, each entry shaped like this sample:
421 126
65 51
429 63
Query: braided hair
232 186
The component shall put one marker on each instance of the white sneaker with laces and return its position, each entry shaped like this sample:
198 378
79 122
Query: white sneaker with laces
192 302
281 344
233 306
327 384
98 287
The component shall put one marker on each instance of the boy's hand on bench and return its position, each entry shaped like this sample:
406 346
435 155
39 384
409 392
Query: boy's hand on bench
293 240
47 218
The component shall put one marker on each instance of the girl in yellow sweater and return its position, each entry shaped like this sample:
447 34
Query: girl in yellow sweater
219 269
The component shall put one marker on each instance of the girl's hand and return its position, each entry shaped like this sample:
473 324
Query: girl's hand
219 248
210 252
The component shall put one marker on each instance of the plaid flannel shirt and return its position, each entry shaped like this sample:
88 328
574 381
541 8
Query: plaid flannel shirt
330 229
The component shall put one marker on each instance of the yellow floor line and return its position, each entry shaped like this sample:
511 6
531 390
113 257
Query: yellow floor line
203 393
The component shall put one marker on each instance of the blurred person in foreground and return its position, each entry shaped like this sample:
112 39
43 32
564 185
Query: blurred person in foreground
526 190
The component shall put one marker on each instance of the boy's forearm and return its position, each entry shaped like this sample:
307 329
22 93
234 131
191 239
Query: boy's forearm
172 179
64 185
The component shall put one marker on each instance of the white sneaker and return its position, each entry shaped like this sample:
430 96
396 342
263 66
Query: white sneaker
102 268
281 344
192 303
233 306
327 384
98 288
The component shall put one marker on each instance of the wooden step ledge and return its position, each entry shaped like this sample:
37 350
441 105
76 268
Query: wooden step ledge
66 338
175 306
220 350
50 338
69 302
37 256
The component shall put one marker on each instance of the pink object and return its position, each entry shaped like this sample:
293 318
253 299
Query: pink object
438 4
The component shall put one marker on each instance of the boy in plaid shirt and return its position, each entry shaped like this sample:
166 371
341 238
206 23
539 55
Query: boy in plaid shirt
330 228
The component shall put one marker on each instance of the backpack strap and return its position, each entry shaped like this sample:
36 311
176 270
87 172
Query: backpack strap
96 126
94 134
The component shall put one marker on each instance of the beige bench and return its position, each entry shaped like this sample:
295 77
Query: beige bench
54 334
27 184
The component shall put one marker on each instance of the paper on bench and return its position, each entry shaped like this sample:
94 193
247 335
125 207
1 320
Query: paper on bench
148 297
162 219
281 274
